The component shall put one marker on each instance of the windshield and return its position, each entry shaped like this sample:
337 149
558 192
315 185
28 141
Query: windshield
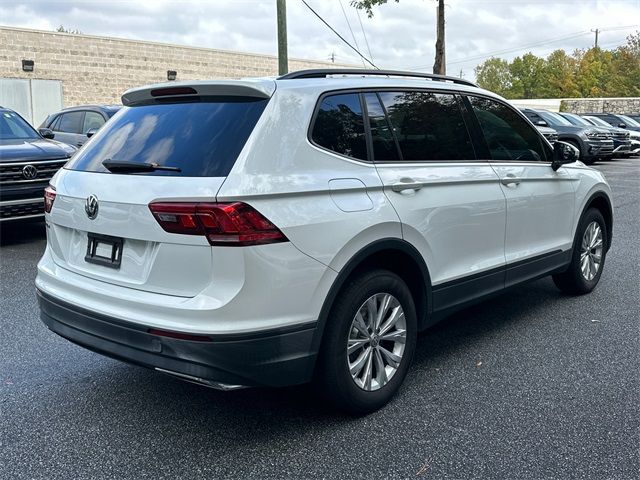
13 127
576 120
598 121
554 119
195 139
629 121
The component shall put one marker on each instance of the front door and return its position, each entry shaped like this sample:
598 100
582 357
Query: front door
540 201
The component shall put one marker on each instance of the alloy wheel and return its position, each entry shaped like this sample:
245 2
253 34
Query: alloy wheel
376 342
591 251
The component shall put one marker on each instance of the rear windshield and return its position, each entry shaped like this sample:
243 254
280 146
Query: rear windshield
202 139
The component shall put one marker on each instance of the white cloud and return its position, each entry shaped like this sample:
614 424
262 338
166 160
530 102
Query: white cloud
401 35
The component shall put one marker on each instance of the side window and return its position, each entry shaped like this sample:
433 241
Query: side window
55 123
92 120
384 145
508 136
339 126
70 122
428 126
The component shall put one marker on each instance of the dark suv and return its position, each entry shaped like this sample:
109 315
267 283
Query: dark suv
27 163
76 125
617 120
620 137
593 142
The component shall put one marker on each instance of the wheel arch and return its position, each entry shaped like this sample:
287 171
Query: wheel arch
601 202
393 254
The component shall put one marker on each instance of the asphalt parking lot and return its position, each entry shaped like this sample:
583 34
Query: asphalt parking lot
531 385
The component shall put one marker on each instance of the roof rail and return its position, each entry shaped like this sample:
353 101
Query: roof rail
325 72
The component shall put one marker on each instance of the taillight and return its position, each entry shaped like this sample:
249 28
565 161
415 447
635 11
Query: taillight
232 224
49 198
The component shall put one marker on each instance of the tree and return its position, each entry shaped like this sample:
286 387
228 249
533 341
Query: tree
527 74
439 65
62 29
559 76
494 75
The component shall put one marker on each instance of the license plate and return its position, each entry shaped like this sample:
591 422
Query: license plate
104 250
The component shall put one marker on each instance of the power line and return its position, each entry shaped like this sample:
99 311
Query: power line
350 29
339 36
364 34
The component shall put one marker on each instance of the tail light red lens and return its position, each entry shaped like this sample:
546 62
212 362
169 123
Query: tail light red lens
49 198
231 224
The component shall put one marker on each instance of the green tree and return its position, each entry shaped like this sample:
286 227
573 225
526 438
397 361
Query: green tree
594 73
559 76
494 75
367 5
625 66
527 73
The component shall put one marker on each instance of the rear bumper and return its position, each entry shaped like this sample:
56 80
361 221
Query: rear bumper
267 358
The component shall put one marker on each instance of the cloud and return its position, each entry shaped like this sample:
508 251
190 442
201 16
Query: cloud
400 35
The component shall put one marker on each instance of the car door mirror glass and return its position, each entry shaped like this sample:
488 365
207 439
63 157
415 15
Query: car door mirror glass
622 125
542 123
91 132
46 133
564 153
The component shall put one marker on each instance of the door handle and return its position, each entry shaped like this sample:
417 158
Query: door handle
403 186
510 180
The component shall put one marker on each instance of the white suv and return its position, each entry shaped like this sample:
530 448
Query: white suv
278 231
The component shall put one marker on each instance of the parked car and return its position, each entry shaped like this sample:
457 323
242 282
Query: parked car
548 133
617 120
592 142
76 125
634 137
620 136
305 228
27 163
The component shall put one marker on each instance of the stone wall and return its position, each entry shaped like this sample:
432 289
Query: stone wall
99 69
601 105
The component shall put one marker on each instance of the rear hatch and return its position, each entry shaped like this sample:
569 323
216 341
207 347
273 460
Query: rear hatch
172 143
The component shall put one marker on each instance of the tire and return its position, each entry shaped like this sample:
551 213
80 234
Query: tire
574 281
333 378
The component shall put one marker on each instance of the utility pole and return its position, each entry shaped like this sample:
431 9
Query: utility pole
439 65
283 60
596 31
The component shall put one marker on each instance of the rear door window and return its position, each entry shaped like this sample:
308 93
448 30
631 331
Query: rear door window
92 120
70 122
339 126
382 136
508 135
428 126
202 139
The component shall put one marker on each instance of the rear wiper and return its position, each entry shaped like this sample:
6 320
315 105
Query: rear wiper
115 166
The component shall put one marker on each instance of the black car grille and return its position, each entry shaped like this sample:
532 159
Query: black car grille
24 173
17 210
621 135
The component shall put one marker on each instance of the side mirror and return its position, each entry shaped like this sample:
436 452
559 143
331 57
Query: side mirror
542 123
46 133
564 153
622 125
91 132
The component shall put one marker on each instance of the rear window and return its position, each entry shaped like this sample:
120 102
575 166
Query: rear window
202 139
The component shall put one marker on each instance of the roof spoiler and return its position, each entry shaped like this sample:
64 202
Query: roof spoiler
259 88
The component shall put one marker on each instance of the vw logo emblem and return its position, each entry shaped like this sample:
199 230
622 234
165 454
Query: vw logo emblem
91 207
29 172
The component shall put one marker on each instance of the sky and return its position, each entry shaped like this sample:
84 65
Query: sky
399 36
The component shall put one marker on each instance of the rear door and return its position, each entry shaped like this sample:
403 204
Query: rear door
68 128
98 214
450 204
540 201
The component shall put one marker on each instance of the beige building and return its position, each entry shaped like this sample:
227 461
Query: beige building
69 69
